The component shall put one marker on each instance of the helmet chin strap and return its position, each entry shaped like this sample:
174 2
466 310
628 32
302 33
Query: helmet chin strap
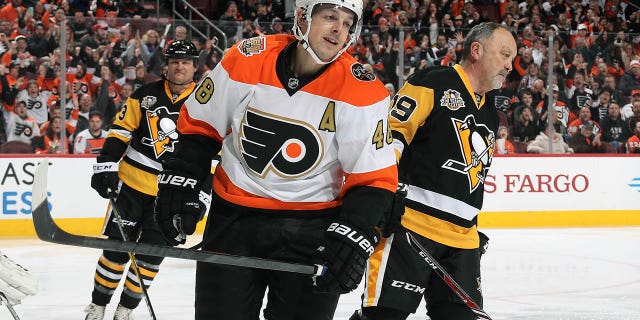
178 84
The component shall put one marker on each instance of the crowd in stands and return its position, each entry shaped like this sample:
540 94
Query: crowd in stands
110 52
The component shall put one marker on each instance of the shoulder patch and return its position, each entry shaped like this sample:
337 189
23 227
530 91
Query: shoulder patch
148 102
360 73
252 46
452 99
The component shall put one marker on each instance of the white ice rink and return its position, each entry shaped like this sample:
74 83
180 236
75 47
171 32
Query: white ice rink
541 274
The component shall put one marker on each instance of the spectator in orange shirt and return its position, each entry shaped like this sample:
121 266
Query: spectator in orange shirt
504 146
91 139
12 11
633 144
51 142
584 117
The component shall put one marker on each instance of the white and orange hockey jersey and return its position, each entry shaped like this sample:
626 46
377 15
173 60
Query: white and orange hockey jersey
291 143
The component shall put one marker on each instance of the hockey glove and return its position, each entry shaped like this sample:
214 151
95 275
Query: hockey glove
105 177
345 253
177 208
392 217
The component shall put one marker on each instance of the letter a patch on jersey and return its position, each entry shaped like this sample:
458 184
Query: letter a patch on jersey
286 147
476 145
162 131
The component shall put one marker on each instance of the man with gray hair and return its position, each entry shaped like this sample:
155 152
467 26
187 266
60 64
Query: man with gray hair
444 137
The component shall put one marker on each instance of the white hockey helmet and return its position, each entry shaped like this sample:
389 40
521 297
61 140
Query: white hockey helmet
308 5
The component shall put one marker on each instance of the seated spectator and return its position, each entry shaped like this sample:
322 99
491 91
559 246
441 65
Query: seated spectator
526 127
617 95
131 9
631 79
626 111
633 144
541 143
599 108
525 100
614 130
584 117
631 121
52 141
19 125
504 146
91 139
586 141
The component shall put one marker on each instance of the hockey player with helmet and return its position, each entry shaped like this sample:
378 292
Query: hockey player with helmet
307 167
141 137
444 134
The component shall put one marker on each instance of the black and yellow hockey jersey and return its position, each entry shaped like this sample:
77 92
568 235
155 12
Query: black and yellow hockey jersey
147 123
445 135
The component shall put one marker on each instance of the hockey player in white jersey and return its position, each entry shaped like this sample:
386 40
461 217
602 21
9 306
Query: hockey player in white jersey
306 172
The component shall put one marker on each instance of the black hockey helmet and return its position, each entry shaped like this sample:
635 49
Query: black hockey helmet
182 49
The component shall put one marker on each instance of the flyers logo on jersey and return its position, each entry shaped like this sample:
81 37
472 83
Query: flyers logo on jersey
476 143
22 129
452 99
286 147
162 131
252 46
34 104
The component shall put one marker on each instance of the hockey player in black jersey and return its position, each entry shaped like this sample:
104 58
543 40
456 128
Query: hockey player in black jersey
141 137
444 134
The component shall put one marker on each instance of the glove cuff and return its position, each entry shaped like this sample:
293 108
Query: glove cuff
102 167
363 242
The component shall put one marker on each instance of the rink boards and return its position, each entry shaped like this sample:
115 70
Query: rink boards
521 191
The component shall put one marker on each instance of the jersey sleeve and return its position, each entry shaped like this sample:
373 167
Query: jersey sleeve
365 150
127 120
409 110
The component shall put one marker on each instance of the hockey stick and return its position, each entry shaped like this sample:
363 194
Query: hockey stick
48 230
439 270
5 300
132 257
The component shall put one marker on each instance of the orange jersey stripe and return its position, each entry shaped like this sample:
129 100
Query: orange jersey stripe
224 188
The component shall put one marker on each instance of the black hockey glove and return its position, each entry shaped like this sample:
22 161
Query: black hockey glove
484 243
345 253
105 177
391 222
177 208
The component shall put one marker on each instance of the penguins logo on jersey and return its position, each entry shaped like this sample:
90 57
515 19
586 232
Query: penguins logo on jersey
252 46
452 99
287 147
162 131
476 143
